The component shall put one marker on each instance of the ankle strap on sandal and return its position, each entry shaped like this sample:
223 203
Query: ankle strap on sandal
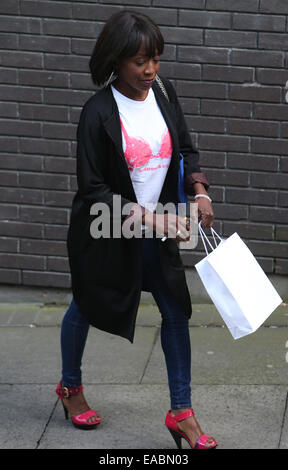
66 392
182 416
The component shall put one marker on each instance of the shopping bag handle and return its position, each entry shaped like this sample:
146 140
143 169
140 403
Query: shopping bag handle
204 237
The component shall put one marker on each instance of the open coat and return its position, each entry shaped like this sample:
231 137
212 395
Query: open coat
107 272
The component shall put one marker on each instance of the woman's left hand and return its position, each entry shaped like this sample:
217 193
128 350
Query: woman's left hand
205 212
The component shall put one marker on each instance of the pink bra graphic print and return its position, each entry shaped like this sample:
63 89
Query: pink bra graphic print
138 152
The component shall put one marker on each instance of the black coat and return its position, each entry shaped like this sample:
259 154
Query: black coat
107 272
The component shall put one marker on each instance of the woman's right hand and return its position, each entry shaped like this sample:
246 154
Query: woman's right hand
169 225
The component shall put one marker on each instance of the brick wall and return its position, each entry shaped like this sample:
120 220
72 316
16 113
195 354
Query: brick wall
228 61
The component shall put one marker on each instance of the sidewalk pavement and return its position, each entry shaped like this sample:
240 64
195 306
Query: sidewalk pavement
239 387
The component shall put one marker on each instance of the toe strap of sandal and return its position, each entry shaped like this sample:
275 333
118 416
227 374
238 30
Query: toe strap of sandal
83 417
202 442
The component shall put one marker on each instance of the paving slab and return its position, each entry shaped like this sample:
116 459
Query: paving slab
25 412
29 354
284 435
133 418
14 314
240 417
32 355
111 359
41 314
260 358
208 315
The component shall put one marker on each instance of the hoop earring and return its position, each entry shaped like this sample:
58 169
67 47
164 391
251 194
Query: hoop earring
111 79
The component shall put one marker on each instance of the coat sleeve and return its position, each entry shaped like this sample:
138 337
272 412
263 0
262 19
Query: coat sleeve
93 183
192 170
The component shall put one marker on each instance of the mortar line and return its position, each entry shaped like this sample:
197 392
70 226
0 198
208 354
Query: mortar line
46 425
149 357
283 421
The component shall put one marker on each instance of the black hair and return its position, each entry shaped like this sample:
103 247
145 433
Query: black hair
120 39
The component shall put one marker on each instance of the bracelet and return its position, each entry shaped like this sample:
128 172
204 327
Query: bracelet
203 195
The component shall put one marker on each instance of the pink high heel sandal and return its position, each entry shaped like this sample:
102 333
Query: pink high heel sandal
171 423
79 421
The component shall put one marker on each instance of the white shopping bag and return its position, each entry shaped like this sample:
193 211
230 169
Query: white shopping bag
236 283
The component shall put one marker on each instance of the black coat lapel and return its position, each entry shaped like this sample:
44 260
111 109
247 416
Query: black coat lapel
112 121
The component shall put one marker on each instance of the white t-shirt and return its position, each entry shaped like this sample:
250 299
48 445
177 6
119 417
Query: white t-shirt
147 145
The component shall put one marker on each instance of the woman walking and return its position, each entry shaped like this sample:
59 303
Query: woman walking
129 138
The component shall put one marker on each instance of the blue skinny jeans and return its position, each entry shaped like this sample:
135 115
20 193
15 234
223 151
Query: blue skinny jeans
175 339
